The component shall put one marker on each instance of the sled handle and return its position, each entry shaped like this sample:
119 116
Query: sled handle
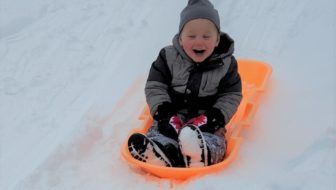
145 113
250 111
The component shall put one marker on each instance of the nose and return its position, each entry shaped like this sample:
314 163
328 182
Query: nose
198 41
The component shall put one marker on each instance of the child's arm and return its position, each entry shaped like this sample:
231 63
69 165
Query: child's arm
230 92
158 82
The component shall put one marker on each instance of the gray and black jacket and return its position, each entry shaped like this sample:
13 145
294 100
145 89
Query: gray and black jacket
193 87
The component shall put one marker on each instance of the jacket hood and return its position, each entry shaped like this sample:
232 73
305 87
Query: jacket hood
225 48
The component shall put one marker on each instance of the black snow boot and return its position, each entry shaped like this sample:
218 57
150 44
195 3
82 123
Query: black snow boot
146 150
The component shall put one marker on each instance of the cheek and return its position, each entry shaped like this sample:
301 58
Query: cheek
188 45
212 44
185 44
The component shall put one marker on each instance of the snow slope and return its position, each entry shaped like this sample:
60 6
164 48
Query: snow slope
71 86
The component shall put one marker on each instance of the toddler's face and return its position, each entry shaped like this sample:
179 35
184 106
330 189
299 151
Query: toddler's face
199 38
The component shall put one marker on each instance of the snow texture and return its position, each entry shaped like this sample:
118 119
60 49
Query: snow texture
72 76
193 145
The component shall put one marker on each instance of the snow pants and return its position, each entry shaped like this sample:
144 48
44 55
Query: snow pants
216 142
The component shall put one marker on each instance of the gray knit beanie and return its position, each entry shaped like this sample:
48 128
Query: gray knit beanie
199 9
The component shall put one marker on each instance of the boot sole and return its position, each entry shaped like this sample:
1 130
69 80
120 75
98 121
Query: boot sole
138 144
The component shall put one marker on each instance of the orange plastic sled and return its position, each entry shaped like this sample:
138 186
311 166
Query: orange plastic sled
255 75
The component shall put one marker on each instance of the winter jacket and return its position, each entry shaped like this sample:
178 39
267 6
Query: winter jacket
193 87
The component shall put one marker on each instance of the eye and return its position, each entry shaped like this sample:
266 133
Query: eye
191 36
206 36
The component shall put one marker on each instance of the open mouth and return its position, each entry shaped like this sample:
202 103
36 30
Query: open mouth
198 52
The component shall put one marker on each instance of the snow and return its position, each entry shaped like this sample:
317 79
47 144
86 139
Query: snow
193 146
72 74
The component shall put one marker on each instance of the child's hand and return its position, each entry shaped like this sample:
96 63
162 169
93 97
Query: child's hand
210 121
165 111
199 121
170 128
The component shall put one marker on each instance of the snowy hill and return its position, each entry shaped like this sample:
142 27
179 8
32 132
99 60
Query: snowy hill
71 86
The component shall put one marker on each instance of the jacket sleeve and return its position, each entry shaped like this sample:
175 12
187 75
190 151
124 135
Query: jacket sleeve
158 82
230 92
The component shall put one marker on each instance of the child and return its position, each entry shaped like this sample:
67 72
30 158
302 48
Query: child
193 89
